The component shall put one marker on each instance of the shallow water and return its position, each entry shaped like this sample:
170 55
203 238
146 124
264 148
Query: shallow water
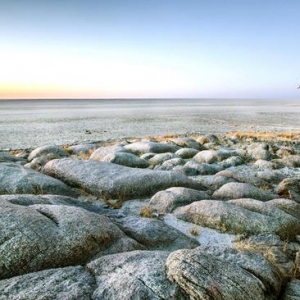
32 123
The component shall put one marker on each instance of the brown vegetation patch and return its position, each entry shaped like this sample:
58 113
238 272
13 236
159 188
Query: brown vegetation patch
266 135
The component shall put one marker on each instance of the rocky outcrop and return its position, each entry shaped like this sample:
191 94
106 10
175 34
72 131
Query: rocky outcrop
114 181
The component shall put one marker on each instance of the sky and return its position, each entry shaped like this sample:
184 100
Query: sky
149 49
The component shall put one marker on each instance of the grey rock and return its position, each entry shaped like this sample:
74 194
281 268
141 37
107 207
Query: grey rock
222 273
6 157
187 143
162 157
38 162
206 156
44 150
292 290
70 283
186 152
83 148
289 188
126 159
231 162
210 138
273 249
102 152
240 216
166 201
155 234
134 275
214 182
15 179
145 147
271 176
49 236
291 161
259 151
236 190
289 206
113 181
170 164
192 168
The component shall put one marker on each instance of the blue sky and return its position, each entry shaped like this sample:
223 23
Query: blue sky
157 48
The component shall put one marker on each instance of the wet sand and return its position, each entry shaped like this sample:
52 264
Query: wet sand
28 124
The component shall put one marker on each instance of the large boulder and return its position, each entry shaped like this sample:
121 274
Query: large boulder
49 149
236 190
134 275
223 273
240 216
15 179
70 283
115 181
155 234
49 236
166 201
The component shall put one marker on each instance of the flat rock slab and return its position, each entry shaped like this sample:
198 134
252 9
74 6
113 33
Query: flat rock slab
222 273
70 283
134 275
49 236
113 181
15 179
155 234
240 216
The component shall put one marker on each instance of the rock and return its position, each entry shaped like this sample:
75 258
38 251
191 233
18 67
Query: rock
223 273
6 157
236 190
38 162
53 149
15 179
102 152
289 188
271 176
214 182
187 143
134 275
126 159
186 152
50 236
265 164
206 156
114 181
273 249
155 234
83 148
292 290
231 162
290 161
192 168
259 151
162 157
166 201
147 155
170 164
210 138
240 216
68 283
145 147
289 206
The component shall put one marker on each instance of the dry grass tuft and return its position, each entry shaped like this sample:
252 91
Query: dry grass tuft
194 231
266 136
147 212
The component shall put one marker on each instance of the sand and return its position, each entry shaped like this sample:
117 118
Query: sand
29 124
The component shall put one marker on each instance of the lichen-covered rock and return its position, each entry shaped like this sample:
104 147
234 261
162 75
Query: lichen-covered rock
289 188
240 216
289 206
70 283
259 151
292 290
145 147
155 234
113 181
223 273
166 201
49 149
186 152
126 159
15 179
134 275
49 236
236 190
